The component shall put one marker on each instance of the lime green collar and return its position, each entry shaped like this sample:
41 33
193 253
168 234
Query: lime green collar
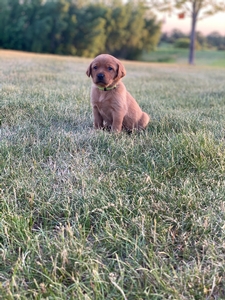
106 88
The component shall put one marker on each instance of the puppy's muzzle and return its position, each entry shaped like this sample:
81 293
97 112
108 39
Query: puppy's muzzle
100 76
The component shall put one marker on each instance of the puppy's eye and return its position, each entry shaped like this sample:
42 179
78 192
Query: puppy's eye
95 67
110 68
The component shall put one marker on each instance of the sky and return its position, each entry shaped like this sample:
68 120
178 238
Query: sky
206 26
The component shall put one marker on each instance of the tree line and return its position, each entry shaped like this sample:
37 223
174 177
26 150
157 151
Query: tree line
213 40
75 27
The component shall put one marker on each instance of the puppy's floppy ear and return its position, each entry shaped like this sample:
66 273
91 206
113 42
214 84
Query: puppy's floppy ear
88 72
121 72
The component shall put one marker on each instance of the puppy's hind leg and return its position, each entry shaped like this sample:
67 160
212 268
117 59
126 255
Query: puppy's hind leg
143 122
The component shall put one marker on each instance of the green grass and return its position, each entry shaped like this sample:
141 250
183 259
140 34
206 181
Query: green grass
87 214
180 56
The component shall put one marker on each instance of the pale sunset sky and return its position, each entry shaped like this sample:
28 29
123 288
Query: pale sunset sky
206 26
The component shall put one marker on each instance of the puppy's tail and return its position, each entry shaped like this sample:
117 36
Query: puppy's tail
143 122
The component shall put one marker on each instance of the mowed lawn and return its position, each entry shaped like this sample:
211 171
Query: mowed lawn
86 214
169 54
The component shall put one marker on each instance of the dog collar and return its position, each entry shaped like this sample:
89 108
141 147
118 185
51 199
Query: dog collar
106 89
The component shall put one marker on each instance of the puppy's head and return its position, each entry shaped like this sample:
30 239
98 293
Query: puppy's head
106 70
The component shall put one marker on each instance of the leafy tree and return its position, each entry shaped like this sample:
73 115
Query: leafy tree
57 10
215 39
132 29
38 26
117 18
196 9
151 33
4 20
176 34
34 25
13 24
83 28
90 34
69 33
164 38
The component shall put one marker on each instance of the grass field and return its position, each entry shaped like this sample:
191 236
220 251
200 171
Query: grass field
87 214
180 56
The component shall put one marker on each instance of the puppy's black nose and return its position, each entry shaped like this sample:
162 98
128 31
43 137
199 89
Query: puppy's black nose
100 76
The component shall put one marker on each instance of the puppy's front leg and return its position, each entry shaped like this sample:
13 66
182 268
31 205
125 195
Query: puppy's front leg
98 120
117 122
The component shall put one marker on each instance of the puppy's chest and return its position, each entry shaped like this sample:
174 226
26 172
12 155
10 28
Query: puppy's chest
108 102
104 98
103 102
104 107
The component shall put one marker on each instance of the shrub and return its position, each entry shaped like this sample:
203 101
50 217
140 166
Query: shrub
184 43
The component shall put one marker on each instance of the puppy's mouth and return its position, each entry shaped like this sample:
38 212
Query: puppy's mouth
101 83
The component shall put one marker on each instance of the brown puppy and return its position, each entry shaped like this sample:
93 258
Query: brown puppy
112 105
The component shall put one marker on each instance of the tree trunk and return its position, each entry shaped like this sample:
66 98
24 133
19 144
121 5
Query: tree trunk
192 39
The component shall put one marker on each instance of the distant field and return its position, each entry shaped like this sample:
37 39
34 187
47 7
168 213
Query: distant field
173 55
87 214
